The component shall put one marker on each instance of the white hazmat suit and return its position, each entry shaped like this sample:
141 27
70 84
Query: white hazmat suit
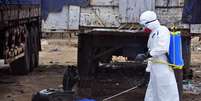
162 85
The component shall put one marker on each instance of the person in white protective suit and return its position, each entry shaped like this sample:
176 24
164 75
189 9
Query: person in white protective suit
162 85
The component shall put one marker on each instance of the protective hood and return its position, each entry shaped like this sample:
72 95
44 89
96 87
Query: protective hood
153 25
149 20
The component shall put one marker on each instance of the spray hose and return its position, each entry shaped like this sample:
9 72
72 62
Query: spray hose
133 86
126 91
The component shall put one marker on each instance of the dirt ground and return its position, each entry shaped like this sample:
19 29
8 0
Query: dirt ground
55 57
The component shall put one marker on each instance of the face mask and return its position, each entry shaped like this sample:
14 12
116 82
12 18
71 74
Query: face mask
147 30
145 25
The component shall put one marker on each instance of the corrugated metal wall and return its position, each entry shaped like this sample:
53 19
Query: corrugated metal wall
56 21
100 13
130 10
112 13
169 11
74 18
55 6
99 16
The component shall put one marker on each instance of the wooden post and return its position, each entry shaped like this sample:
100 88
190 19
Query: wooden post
179 79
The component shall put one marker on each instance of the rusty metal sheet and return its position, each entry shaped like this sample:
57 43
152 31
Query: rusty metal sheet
169 16
169 3
74 17
56 21
99 17
195 28
130 10
24 13
104 2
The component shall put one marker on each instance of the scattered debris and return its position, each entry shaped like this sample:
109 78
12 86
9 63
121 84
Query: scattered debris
9 96
198 48
191 88
119 59
54 62
20 91
44 42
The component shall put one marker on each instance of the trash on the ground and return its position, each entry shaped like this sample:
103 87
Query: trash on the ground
199 48
198 71
191 88
53 95
44 42
54 50
54 62
60 86
20 91
198 76
119 59
117 84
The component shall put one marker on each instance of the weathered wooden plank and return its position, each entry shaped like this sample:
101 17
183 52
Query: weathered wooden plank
99 17
169 16
56 21
169 3
74 17
195 28
130 10
104 2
